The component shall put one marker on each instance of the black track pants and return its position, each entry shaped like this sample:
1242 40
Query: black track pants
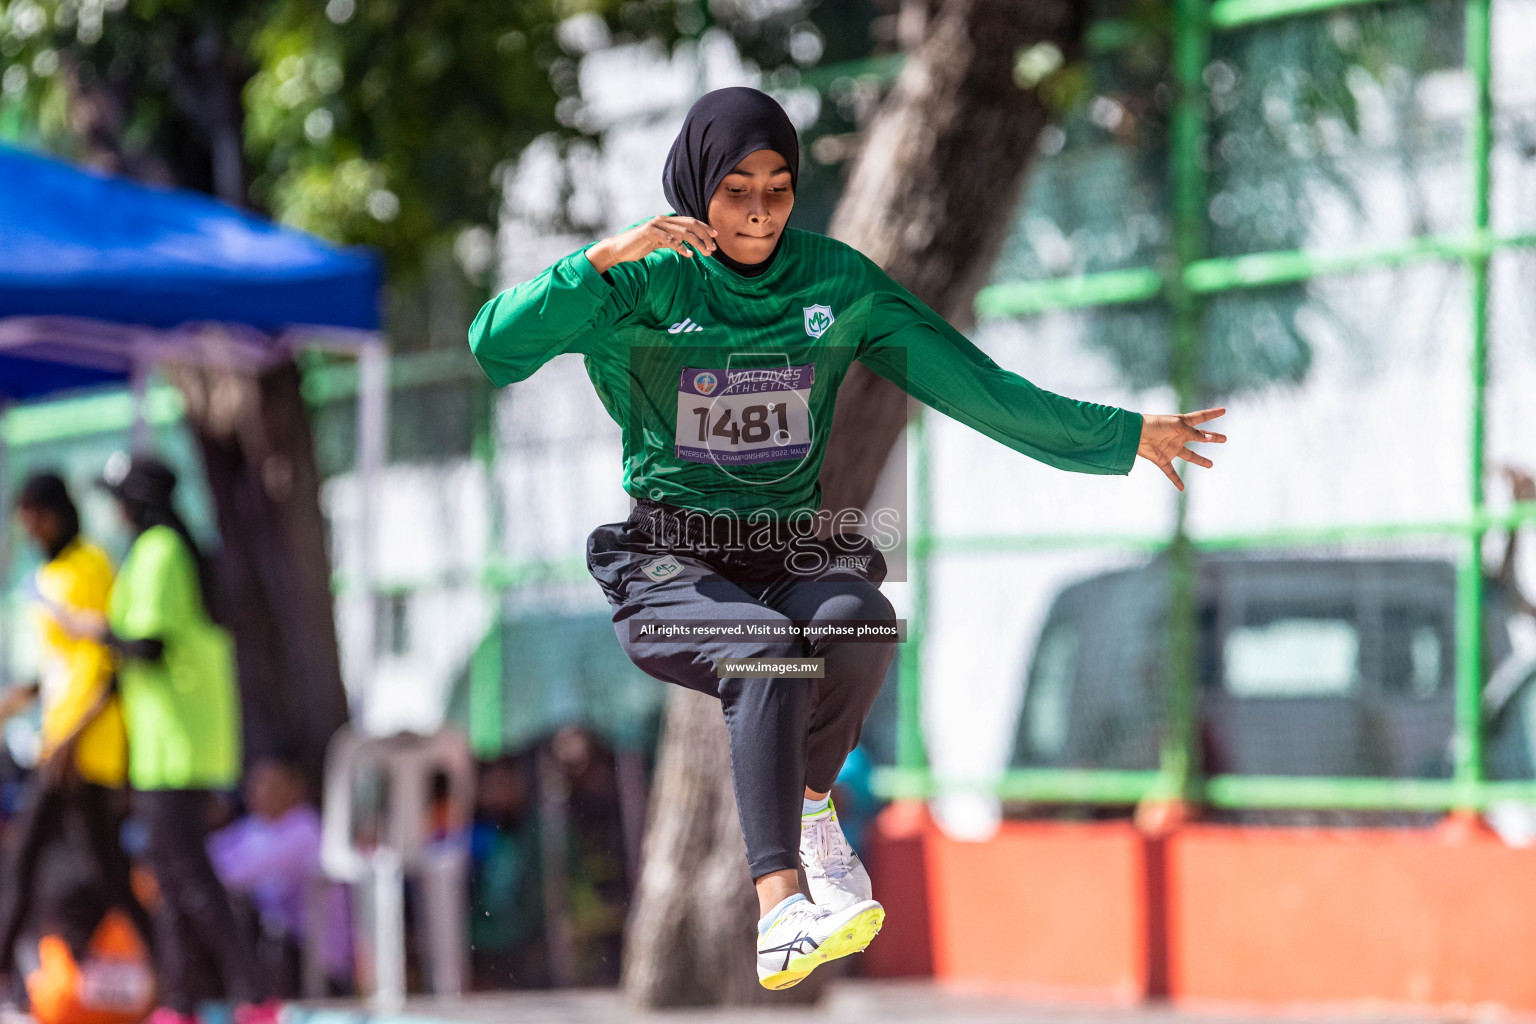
194 911
786 734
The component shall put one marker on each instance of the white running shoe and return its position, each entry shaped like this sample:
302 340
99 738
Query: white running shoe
805 936
832 869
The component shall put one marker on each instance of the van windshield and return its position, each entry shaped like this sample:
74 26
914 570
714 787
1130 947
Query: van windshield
1292 657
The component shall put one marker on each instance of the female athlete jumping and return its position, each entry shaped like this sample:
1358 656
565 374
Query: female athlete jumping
717 339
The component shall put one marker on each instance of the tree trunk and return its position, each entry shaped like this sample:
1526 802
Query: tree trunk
252 428
273 569
930 199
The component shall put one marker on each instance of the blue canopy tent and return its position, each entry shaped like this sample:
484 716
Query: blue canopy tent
79 245
101 278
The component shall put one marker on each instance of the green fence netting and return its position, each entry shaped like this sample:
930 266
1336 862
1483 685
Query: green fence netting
1317 214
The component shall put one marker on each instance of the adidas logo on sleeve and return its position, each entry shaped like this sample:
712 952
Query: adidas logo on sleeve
684 326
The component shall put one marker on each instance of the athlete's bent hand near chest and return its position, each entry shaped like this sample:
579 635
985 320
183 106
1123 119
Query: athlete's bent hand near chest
716 337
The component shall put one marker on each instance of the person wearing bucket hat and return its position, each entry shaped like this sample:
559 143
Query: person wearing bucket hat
143 478
717 337
177 680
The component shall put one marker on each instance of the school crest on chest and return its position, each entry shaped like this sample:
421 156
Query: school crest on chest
817 319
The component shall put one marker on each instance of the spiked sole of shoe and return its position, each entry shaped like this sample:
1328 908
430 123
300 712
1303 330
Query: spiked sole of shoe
853 937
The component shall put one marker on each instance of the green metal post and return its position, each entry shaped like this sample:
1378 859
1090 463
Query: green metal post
911 750
1191 48
485 670
1469 579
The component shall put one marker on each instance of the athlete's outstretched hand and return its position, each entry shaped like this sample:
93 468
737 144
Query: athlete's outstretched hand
1163 439
657 233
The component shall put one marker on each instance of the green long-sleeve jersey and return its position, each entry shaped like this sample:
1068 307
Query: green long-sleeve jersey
724 385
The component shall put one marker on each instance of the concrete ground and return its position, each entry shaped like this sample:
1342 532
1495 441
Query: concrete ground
846 1003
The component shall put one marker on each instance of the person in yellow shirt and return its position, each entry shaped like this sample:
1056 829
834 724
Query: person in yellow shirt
79 794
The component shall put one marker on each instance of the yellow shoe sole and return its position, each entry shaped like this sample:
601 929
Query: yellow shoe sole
853 937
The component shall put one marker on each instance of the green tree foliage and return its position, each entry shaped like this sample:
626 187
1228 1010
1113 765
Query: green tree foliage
384 122
373 121
148 88
388 121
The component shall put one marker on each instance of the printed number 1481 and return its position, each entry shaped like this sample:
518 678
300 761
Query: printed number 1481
753 428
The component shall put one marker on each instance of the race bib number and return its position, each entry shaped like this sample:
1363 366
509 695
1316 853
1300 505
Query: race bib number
744 417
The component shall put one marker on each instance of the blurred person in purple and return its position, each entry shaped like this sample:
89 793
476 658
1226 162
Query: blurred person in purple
271 857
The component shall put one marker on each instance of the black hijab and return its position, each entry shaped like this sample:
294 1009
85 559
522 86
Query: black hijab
722 129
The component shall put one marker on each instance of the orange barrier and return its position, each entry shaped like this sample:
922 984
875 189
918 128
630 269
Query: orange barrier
1044 910
1210 914
1408 917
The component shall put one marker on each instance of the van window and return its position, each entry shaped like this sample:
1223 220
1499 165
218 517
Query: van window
1048 704
1292 657
1424 656
1415 651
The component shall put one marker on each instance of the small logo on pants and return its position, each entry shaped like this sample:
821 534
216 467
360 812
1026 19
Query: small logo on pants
662 568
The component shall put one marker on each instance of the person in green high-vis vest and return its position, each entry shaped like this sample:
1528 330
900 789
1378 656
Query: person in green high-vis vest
176 677
717 337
